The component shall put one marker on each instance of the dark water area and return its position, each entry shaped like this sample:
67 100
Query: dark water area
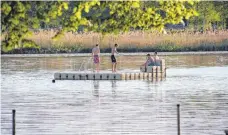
197 82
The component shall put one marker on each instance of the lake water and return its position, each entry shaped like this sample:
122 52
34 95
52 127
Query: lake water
199 83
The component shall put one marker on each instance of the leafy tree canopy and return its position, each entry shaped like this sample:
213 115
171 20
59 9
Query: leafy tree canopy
19 18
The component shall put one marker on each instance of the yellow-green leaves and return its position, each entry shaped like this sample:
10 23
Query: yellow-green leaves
188 15
191 2
19 7
94 15
86 8
65 5
47 20
78 15
35 23
135 4
195 13
5 8
16 23
130 14
176 10
149 10
83 21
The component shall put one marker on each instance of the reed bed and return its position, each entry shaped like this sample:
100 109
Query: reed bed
135 41
128 40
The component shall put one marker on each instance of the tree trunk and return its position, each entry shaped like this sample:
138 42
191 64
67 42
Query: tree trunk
20 46
197 19
226 23
204 18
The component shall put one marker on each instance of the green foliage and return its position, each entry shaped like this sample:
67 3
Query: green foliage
76 18
19 18
222 8
208 13
29 44
126 15
5 8
15 23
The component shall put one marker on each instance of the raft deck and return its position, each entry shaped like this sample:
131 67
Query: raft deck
150 72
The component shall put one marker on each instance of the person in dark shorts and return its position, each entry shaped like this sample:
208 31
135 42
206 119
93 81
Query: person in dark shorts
113 58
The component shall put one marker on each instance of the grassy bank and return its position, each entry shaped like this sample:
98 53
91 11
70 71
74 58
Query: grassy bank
128 42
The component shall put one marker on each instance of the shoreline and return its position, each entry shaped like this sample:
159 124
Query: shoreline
121 54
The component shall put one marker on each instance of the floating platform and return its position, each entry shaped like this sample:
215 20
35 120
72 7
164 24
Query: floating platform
149 72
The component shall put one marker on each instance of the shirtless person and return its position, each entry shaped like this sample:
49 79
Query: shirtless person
96 57
157 59
113 58
149 61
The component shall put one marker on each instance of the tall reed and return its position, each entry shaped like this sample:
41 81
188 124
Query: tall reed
137 39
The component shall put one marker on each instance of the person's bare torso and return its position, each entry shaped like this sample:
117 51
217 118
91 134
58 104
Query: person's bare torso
96 51
156 58
113 50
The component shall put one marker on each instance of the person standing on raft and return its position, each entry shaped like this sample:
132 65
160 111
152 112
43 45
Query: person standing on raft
96 57
113 58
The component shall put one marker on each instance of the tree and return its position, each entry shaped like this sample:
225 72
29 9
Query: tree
222 8
208 14
20 17
14 23
18 20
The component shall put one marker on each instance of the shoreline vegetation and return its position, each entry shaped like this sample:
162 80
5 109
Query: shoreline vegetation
135 41
57 27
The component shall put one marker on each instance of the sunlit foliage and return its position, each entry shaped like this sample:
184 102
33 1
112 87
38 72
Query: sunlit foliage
20 18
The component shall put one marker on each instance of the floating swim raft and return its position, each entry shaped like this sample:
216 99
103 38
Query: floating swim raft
149 72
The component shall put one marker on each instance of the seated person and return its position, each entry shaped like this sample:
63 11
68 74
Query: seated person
149 62
157 61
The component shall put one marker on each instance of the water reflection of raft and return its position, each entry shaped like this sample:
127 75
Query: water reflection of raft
149 72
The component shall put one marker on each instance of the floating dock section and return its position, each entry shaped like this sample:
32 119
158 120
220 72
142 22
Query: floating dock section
150 72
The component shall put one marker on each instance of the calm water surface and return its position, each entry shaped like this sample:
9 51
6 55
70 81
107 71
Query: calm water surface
199 83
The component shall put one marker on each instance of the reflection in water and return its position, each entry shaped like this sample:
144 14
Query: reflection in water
114 85
153 86
96 88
